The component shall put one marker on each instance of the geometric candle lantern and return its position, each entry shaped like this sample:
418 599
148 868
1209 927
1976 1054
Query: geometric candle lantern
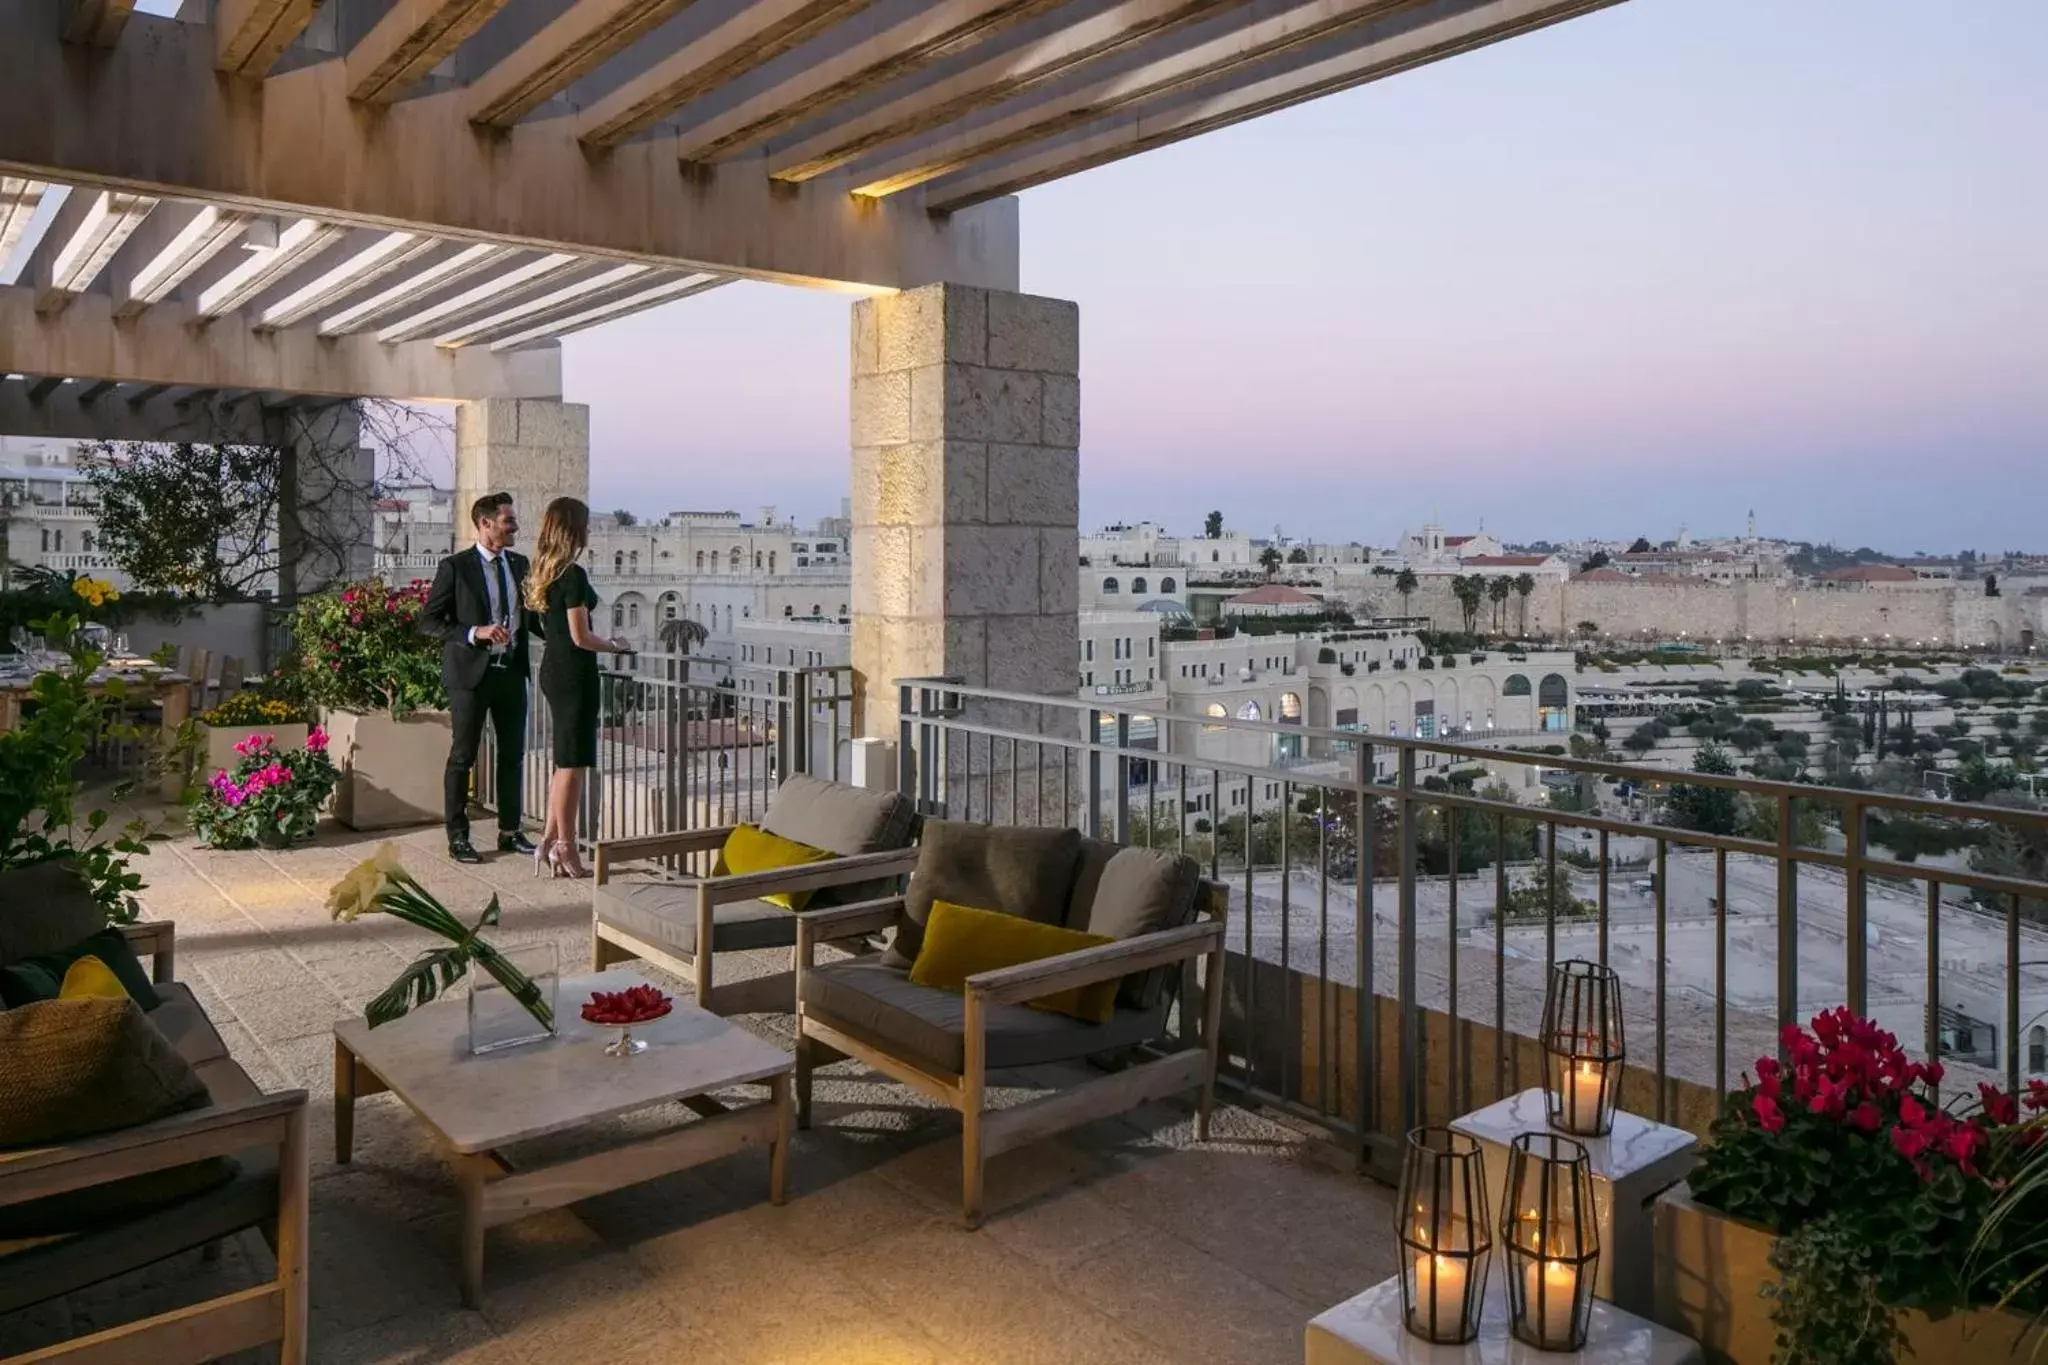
1445 1235
1582 1047
1552 1240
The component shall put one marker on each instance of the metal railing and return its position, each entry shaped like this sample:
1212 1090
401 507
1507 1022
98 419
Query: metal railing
1391 934
687 742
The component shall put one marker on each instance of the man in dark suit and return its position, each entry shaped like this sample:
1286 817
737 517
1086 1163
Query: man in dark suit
476 610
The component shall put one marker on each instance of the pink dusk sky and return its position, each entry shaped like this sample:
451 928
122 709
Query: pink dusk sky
1655 266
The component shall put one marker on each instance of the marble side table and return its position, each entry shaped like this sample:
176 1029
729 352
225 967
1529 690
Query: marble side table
1367 1330
1632 1165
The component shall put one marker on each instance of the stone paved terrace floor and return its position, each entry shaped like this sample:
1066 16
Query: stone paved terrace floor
1125 1241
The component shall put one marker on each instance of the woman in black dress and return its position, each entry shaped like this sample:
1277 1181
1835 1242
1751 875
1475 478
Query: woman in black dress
559 590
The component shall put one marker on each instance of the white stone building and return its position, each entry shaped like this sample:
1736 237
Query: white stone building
48 516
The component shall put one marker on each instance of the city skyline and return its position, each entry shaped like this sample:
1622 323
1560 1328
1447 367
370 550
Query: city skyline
1640 241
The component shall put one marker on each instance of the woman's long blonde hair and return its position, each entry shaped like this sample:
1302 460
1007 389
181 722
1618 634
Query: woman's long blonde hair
564 531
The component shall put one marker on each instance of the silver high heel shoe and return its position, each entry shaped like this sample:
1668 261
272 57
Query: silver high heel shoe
542 858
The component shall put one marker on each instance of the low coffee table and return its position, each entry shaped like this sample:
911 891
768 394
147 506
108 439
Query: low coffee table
479 1105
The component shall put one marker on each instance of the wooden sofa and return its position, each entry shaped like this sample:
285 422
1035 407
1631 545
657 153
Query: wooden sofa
945 1045
265 1134
670 921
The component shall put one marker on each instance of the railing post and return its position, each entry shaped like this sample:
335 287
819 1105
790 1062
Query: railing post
1093 778
1412 1073
1122 804
1366 1078
1788 919
785 741
1856 936
906 748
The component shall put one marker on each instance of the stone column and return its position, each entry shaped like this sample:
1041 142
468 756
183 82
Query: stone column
536 449
966 494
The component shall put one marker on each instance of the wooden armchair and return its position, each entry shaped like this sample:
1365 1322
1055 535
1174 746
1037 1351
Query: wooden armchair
682 924
267 1133
944 1046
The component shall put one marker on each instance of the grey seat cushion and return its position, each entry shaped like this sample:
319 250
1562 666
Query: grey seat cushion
1009 868
665 913
843 820
185 1026
49 908
880 1004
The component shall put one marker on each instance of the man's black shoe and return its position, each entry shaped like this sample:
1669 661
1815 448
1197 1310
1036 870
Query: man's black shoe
462 851
515 842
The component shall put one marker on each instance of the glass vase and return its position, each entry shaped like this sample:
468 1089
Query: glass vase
497 1017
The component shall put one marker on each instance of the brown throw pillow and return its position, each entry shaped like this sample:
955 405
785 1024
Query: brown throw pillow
1019 871
1141 891
70 1069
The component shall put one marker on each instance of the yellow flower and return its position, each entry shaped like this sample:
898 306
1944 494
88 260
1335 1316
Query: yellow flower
357 893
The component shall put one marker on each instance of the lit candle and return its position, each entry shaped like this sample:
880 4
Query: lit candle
1580 1102
1550 1290
1439 1286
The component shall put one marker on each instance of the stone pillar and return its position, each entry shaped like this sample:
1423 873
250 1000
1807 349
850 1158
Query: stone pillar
536 449
966 494
326 492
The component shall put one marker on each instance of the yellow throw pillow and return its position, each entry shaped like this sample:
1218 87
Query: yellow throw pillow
91 979
750 848
960 941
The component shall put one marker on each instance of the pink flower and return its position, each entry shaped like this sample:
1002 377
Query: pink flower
1866 1117
2037 1095
1768 1115
1999 1107
316 740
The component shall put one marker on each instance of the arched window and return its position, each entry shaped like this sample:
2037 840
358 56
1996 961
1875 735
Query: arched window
618 561
1166 585
788 610
668 613
1109 585
817 610
1250 711
633 561
771 561
1216 711
85 541
1553 691
1290 706
1137 585
618 617
842 608
757 561
1517 685
632 613
700 561
735 563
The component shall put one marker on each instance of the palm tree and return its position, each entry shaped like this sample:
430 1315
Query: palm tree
1470 590
1497 591
1406 583
1269 560
1524 585
678 635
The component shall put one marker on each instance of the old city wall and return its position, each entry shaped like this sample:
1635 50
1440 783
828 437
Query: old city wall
1758 610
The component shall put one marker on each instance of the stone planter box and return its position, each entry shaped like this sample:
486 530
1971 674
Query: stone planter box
390 769
1710 1273
221 741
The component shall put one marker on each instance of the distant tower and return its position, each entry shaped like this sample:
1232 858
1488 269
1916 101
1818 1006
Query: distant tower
1752 525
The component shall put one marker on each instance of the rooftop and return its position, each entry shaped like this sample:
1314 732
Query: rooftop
1123 1241
1274 595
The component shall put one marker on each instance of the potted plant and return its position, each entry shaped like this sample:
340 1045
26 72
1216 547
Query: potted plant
263 710
1832 1214
376 681
269 798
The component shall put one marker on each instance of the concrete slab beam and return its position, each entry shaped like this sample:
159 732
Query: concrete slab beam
152 116
97 23
250 35
164 346
412 38
564 51
98 412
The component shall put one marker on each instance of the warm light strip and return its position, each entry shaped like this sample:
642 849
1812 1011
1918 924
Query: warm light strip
406 328
201 240
264 265
589 317
412 286
100 233
490 322
386 253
